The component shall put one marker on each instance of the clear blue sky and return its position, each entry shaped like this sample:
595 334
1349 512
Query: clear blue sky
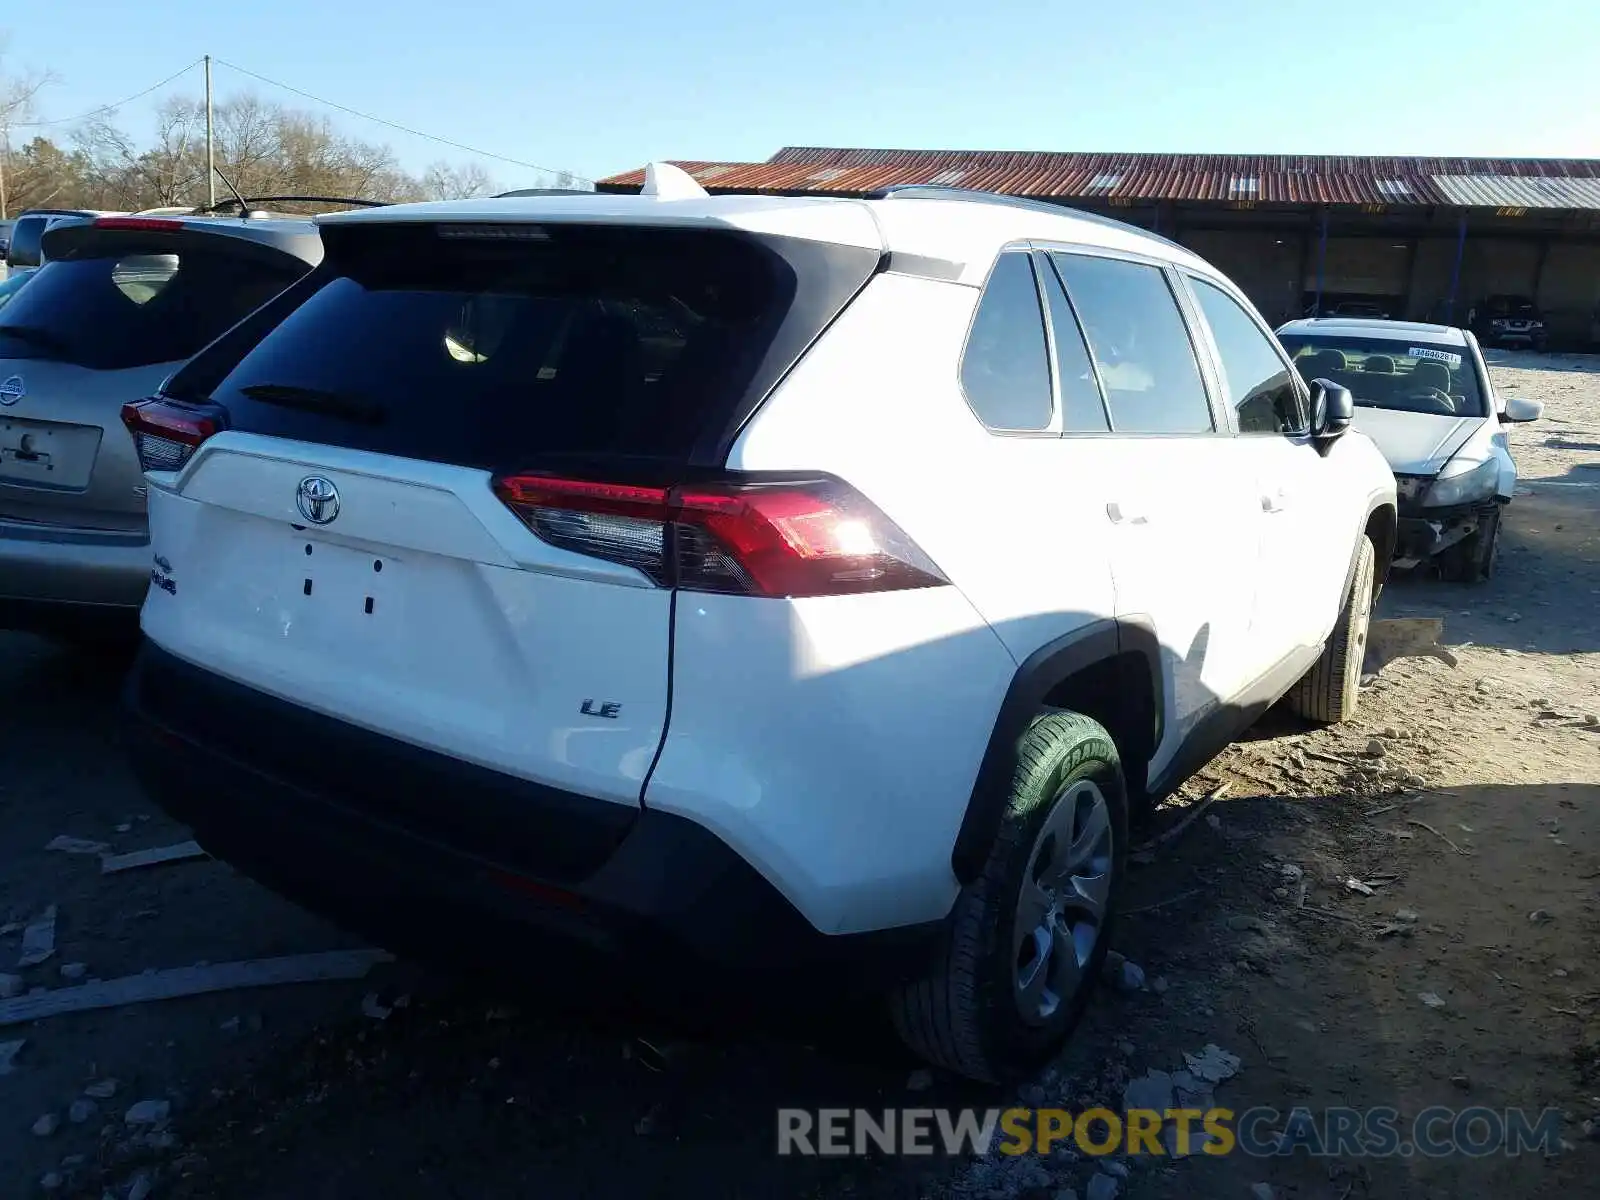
600 86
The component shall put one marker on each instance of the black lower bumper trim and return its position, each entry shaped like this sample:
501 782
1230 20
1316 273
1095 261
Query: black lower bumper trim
288 798
1422 533
68 620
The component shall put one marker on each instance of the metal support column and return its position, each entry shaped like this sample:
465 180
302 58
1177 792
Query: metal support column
1297 296
1455 267
1322 264
1408 304
1538 270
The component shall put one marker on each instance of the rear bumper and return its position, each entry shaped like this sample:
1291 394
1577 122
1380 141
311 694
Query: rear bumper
1517 337
451 862
44 570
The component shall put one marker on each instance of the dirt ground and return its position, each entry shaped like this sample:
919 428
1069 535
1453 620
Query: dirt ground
1479 821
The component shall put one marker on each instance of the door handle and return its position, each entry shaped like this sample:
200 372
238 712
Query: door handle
1274 502
1122 516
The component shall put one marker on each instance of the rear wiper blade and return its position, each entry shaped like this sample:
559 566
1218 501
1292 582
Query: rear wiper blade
317 400
39 337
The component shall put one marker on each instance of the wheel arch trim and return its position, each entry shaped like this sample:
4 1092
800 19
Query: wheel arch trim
1043 671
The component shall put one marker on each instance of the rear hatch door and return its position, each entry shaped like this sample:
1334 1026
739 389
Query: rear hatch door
106 321
342 543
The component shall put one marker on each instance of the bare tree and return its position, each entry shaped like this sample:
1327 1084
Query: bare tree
18 94
41 174
262 148
442 181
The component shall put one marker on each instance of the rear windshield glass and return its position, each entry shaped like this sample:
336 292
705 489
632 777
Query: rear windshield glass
1413 376
134 309
497 346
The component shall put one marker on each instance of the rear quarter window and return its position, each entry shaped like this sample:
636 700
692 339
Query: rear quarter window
1005 368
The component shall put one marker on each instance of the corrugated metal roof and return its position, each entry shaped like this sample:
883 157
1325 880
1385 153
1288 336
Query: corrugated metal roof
1495 191
1257 178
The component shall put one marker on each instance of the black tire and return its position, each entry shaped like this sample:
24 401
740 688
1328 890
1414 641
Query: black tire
1473 558
970 1013
1330 692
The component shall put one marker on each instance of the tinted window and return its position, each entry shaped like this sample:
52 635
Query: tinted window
1140 344
1411 375
1082 409
133 310
497 352
1260 388
10 284
1005 370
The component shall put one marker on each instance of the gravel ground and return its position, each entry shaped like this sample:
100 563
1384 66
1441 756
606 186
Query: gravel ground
1481 810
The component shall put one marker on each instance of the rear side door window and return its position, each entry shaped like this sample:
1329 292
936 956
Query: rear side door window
1259 383
1083 408
1005 368
1140 344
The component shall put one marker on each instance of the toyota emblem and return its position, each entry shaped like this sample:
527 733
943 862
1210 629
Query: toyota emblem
317 499
12 390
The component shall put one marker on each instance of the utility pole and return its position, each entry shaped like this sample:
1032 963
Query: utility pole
211 165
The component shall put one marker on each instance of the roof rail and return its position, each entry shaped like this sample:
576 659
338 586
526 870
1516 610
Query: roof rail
934 191
517 193
232 202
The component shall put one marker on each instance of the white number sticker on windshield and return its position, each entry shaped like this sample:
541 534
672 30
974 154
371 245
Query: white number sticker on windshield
1443 356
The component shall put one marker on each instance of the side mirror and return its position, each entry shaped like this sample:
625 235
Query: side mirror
1518 410
1332 409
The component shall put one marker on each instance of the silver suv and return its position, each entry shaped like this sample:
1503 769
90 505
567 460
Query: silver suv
119 304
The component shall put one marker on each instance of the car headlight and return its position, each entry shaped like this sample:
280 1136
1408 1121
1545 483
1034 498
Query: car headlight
1463 483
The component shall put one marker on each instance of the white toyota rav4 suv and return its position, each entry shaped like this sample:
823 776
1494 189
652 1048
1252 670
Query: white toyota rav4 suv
781 590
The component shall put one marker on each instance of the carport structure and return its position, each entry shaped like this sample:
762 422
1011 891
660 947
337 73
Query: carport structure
1423 238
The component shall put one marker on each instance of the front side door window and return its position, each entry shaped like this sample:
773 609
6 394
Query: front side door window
1260 386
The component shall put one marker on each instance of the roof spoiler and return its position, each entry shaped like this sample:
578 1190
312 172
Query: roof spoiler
247 201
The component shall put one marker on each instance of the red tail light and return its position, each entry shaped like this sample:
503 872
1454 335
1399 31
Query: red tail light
166 433
814 538
136 223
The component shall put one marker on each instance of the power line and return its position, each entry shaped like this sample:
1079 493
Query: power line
394 125
106 107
